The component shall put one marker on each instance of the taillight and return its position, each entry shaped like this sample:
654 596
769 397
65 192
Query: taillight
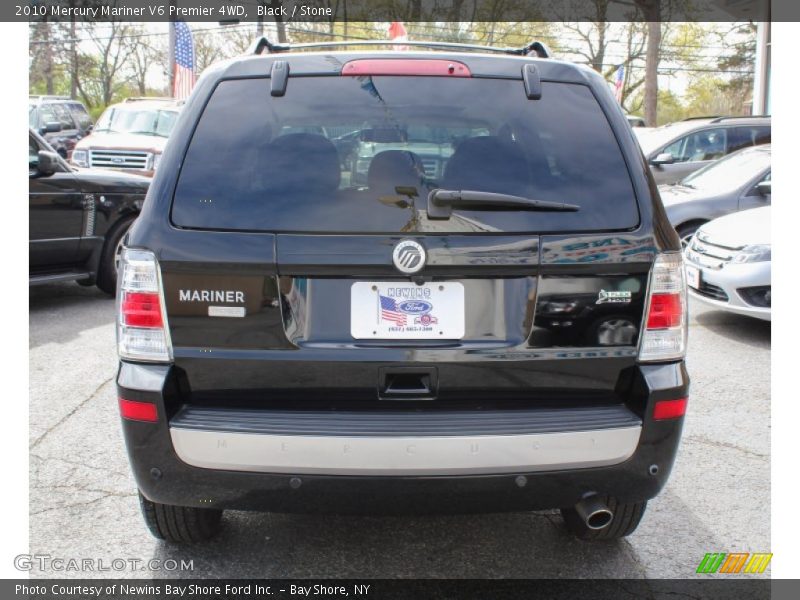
141 309
142 332
664 334
666 310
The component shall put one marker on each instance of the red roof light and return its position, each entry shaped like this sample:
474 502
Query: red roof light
406 66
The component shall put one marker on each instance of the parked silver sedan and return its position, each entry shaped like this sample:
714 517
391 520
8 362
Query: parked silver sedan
737 182
729 263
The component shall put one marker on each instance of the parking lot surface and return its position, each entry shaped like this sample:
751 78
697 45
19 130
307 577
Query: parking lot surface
83 499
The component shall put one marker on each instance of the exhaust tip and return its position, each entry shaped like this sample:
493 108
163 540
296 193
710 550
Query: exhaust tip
599 519
594 512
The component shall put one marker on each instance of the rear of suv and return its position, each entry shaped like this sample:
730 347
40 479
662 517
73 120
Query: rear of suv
507 333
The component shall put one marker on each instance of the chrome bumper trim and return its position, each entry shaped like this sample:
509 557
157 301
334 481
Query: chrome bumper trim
401 456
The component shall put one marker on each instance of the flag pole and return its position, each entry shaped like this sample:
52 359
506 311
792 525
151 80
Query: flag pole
171 52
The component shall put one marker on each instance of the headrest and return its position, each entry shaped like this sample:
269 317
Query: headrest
392 168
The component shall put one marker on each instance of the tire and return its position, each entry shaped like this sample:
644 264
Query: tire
687 230
107 269
626 519
180 524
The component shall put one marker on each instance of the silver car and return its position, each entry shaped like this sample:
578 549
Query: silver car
729 263
736 182
676 150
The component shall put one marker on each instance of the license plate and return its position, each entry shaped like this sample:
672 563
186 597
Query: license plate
693 276
392 310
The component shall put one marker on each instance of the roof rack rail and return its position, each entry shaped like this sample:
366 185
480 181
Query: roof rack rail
535 48
699 118
47 97
148 98
720 119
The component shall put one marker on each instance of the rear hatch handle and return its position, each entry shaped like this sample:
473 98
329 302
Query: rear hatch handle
407 383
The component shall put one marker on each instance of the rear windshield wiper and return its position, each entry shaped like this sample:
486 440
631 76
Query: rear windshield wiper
442 202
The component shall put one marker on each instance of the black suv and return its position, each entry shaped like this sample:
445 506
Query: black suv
508 334
60 120
77 218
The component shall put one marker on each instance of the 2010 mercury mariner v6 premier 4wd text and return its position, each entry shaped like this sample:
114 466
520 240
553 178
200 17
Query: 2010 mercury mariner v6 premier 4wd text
491 318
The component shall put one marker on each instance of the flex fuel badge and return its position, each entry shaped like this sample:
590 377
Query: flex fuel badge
605 297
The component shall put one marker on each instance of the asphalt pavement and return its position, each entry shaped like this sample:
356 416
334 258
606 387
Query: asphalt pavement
83 499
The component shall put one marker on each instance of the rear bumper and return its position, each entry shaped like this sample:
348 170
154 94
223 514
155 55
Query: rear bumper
403 455
191 462
736 307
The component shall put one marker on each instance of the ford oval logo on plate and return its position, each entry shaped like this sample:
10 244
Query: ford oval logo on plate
415 307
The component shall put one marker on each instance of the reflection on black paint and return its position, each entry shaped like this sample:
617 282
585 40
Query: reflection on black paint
570 311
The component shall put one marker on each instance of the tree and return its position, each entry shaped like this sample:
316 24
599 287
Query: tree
592 30
651 11
231 41
670 107
703 97
209 47
45 46
742 60
145 54
635 41
102 74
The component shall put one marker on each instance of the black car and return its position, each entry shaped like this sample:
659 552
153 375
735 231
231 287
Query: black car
290 341
60 120
77 218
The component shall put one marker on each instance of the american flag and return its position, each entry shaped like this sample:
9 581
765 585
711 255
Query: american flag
390 313
184 61
618 81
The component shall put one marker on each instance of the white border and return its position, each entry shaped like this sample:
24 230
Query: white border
14 438
785 408
785 222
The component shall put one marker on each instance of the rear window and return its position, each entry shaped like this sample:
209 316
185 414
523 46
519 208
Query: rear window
80 115
64 116
361 154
